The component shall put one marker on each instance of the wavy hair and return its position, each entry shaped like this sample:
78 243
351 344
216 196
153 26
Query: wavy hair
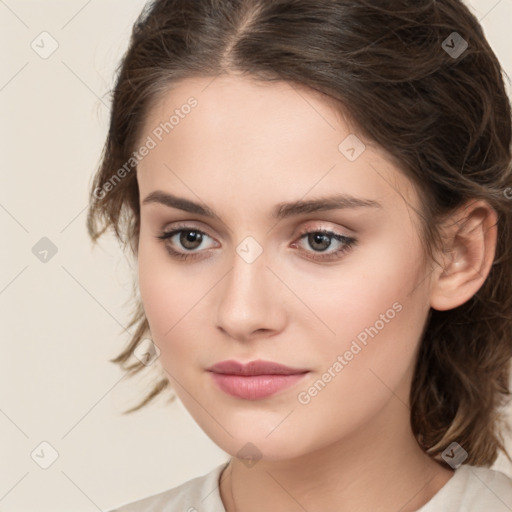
396 69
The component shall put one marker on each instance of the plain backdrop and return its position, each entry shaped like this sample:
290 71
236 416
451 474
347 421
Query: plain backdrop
63 318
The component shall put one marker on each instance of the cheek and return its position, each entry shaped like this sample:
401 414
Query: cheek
154 285
367 313
351 297
173 296
164 293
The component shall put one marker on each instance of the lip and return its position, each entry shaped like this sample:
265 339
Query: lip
255 380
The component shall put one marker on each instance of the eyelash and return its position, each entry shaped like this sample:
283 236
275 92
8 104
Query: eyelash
348 243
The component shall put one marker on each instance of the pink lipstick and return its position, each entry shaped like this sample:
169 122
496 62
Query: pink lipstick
256 379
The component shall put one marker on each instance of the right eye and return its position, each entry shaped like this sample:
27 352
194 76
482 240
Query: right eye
185 238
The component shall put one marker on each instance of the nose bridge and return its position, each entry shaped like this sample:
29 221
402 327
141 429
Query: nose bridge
247 279
248 299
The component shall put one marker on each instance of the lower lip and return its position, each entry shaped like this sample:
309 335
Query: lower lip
254 387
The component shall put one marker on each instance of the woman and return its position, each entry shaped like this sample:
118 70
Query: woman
318 196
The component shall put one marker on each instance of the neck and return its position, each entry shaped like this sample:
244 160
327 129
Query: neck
380 467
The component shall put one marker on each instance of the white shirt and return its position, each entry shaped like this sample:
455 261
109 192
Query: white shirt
470 489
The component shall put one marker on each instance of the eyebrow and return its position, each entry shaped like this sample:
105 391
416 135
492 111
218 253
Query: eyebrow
281 211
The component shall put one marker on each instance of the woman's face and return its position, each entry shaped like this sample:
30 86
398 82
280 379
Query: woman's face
348 312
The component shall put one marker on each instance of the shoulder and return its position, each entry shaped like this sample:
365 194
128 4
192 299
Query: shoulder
486 489
199 494
473 489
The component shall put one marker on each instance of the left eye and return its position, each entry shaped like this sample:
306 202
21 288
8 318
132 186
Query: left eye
321 240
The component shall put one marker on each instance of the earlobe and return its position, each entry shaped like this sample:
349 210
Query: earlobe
470 244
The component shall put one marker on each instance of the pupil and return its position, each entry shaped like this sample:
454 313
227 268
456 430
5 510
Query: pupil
189 238
322 239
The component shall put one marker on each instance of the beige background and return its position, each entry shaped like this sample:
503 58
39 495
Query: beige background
62 320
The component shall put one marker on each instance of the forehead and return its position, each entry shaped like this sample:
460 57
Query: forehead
262 139
241 110
236 93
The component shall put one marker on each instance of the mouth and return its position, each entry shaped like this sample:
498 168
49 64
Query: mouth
255 380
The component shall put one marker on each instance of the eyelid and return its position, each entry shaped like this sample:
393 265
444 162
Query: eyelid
322 226
186 225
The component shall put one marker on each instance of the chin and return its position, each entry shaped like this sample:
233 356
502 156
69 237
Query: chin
256 444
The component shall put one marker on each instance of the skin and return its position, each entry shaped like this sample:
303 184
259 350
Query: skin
245 148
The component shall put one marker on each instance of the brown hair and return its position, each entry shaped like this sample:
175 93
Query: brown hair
390 65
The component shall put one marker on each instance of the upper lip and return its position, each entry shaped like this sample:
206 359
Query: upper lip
258 367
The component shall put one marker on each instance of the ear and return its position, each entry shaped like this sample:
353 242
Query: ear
470 236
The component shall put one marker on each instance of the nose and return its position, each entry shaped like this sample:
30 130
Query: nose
251 304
